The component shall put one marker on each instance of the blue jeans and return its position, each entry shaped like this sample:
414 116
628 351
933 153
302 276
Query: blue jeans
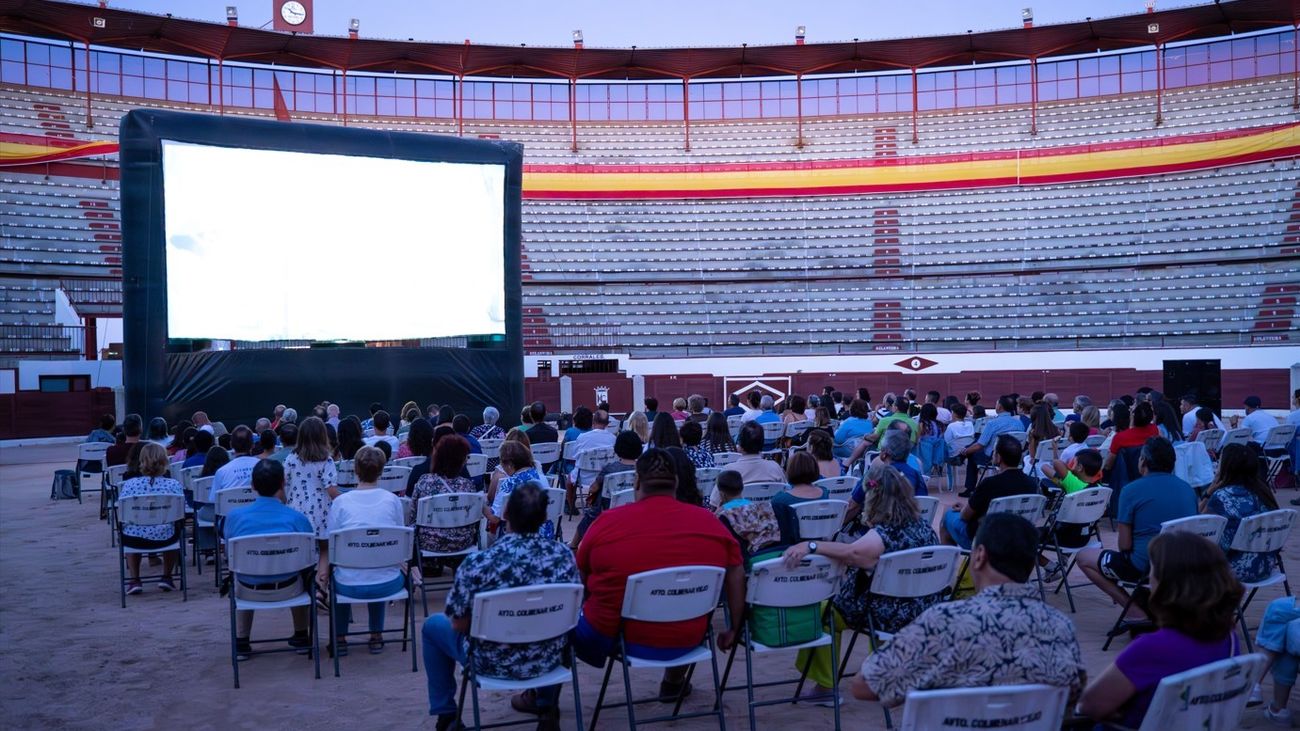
957 528
1279 632
443 648
973 464
343 612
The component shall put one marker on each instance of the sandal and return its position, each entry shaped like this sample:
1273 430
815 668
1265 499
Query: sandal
338 649
376 647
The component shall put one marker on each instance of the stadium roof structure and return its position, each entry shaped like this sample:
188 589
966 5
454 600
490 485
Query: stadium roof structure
90 24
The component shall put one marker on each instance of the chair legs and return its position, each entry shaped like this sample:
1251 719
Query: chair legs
620 657
1119 621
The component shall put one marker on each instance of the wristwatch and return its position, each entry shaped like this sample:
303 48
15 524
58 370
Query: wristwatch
812 547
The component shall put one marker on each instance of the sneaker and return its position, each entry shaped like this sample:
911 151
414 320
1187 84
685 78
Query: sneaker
1278 718
1052 572
133 587
165 583
301 641
1256 696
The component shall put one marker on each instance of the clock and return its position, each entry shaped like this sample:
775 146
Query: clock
292 16
293 12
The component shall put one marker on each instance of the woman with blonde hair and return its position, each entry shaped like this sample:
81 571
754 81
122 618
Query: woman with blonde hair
894 523
1091 416
154 467
638 423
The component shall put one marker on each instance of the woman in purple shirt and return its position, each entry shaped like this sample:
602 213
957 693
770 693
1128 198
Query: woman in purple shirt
1194 596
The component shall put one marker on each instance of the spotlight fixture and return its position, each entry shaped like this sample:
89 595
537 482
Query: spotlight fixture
354 27
577 39
799 34
232 15
1151 6
1027 16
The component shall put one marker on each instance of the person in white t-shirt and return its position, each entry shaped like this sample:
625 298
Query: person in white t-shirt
1188 406
596 437
238 472
370 507
958 429
1257 420
751 406
382 424
945 415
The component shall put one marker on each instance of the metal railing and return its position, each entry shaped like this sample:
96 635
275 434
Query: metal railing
41 339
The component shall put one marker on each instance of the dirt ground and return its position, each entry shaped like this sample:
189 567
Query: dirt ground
71 658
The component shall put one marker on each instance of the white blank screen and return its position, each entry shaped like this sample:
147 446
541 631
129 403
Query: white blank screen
275 245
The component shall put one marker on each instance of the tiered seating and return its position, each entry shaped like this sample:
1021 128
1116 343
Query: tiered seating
60 226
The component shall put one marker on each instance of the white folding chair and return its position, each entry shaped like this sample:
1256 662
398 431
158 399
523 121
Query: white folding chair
820 520
113 477
762 490
272 554
198 490
1218 693
795 429
371 548
88 454
411 462
1209 527
1094 441
1029 507
546 454
1016 707
622 497
589 462
491 447
838 488
1235 436
772 585
345 474
523 615
555 500
1085 507
618 482
733 424
476 465
152 510
1265 533
959 444
674 594
394 478
228 500
1210 438
1278 441
772 433
615 426
929 508
722 459
569 451
446 511
707 479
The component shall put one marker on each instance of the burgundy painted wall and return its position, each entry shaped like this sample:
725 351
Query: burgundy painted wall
30 414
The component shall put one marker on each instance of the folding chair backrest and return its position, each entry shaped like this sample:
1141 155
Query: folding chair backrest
450 510
555 505
706 478
916 571
345 473
1016 707
1094 441
929 507
546 453
979 424
722 459
370 548
1046 452
773 430
1211 438
621 498
114 474
961 443
92 451
476 465
762 490
1280 436
1029 507
838 487
234 497
771 584
820 520
268 554
1209 527
591 460
525 614
407 461
569 451
394 478
1235 436
618 482
615 426
1210 697
796 428
1023 436
734 423
200 487
1084 507
672 594
150 509
189 475
491 447
1265 532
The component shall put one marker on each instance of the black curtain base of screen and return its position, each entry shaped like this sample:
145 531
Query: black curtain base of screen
237 387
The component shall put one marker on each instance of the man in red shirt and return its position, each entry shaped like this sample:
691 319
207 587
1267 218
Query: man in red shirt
655 532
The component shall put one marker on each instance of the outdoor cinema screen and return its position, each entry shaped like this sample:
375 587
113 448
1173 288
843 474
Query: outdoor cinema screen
274 245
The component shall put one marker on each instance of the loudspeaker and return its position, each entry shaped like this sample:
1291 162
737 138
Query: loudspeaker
1199 377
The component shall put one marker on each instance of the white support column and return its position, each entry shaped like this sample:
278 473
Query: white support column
566 394
638 393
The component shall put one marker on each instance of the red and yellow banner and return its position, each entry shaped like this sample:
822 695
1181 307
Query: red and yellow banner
913 172
17 149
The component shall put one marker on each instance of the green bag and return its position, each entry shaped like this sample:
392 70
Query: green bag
787 626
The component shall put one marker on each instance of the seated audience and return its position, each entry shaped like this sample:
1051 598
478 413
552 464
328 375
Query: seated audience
1191 414
597 437
698 407
638 423
767 411
1168 423
153 480
288 441
488 429
651 408
517 464
444 477
663 432
753 406
980 452
267 514
627 447
540 431
692 434
1004 635
350 439
801 472
688 488
733 406
898 415
894 523
366 506
1144 504
158 432
1194 598
381 426
679 412
1238 492
1257 420
821 445
1135 436
1279 640
1203 419
717 435
132 429
332 415
581 424
794 410
961 523
959 431
419 443
460 424
521 557
266 444
1042 430
199 444
239 471
751 465
752 523
103 432
216 458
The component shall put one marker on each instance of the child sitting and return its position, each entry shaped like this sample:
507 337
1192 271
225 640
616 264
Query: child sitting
1082 472
753 524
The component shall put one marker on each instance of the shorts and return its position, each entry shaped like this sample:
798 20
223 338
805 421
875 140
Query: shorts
146 544
958 529
1118 566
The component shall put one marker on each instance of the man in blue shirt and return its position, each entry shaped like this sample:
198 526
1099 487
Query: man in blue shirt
854 428
733 406
1144 504
980 452
268 514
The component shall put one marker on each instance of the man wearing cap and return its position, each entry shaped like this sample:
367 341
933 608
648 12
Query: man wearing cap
1258 421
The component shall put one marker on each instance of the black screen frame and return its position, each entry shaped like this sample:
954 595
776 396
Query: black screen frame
153 372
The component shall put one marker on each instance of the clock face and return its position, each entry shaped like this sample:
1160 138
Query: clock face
293 12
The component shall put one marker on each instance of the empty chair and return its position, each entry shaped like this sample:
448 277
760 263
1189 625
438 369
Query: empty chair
90 470
1276 449
1016 707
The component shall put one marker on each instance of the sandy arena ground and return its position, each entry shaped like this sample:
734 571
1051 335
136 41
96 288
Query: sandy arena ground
72 659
